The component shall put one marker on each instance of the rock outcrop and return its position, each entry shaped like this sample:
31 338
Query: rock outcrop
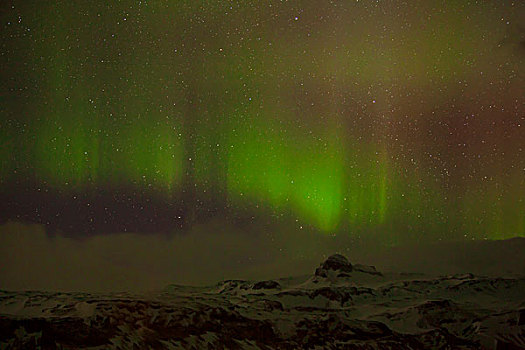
337 263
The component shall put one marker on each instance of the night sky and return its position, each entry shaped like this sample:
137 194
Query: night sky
392 120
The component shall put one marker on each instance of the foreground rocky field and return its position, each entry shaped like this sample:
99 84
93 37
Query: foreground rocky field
339 306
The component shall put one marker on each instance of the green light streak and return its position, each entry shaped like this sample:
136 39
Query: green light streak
67 150
272 108
6 151
148 153
289 170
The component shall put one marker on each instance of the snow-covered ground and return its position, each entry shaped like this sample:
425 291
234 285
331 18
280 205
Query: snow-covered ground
339 306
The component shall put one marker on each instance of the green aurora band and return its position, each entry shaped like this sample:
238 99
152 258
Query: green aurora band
318 121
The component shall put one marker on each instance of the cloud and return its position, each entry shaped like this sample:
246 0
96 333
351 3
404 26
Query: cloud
30 259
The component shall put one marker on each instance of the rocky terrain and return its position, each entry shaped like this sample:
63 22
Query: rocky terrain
340 306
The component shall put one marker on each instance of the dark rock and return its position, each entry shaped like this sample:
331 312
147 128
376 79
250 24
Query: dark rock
521 317
501 344
336 262
335 294
271 305
367 269
267 285
232 285
320 272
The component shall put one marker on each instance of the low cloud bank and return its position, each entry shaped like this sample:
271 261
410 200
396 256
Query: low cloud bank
30 259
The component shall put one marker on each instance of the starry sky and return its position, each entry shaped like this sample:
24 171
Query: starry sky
391 121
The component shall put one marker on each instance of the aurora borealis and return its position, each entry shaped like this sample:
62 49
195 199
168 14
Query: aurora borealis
399 120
